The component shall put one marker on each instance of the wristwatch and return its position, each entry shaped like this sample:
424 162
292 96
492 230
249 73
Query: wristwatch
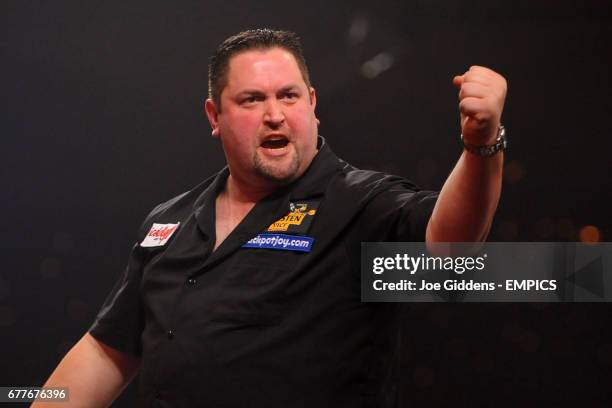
501 143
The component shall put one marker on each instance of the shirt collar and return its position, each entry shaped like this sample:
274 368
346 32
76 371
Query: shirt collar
312 183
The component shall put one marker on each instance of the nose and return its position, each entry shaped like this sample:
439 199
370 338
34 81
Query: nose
274 117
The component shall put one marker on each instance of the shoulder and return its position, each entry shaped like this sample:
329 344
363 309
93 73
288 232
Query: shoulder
178 208
186 200
371 182
380 192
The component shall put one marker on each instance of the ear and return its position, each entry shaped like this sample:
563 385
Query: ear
212 114
313 102
313 97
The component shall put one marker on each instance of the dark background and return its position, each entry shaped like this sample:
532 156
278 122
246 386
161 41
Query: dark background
101 114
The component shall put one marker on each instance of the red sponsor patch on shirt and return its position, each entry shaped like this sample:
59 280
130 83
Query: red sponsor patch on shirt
159 234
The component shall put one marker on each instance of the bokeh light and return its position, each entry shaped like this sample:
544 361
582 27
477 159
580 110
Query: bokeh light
590 233
513 172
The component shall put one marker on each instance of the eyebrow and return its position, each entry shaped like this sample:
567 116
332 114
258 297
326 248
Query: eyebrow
255 92
248 92
288 88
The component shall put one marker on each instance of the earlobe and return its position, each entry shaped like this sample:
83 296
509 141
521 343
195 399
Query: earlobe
212 115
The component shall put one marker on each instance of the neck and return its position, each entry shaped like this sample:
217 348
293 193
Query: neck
244 193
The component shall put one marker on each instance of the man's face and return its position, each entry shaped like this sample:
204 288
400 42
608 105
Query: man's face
267 123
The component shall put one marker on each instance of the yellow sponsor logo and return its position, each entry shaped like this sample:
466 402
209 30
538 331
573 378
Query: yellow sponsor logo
293 218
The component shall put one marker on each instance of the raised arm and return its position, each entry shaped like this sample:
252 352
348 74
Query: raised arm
468 200
94 373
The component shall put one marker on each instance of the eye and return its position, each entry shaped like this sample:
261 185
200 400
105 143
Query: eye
291 96
251 99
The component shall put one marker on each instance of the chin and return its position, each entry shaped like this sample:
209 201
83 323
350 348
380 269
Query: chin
279 173
278 176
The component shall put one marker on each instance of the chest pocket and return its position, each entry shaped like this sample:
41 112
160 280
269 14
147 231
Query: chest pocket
255 287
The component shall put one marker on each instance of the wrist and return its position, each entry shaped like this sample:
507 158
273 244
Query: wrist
499 144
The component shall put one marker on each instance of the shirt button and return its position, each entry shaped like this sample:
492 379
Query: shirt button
191 281
170 334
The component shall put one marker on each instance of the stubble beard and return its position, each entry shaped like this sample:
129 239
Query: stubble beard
276 174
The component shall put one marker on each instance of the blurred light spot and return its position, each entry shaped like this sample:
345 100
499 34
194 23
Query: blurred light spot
63 242
545 228
566 229
423 377
377 65
513 172
78 310
50 268
425 171
508 230
7 316
590 233
358 30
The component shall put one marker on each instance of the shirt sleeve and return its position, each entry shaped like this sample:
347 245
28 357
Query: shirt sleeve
414 211
120 321
399 211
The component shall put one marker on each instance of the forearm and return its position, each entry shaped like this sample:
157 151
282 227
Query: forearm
94 374
468 200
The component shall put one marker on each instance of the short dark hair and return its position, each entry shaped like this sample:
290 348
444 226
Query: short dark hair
259 39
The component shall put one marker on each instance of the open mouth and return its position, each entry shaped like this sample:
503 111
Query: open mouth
275 142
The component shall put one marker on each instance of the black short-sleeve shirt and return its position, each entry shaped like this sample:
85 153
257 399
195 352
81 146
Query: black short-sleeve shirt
263 321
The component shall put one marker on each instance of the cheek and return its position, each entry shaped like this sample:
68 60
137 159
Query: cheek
239 133
240 127
301 119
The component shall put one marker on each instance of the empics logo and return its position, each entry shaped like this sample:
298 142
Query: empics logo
159 234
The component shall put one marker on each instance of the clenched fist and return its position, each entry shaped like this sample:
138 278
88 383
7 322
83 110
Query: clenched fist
482 93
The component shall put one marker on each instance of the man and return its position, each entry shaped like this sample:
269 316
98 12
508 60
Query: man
245 290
